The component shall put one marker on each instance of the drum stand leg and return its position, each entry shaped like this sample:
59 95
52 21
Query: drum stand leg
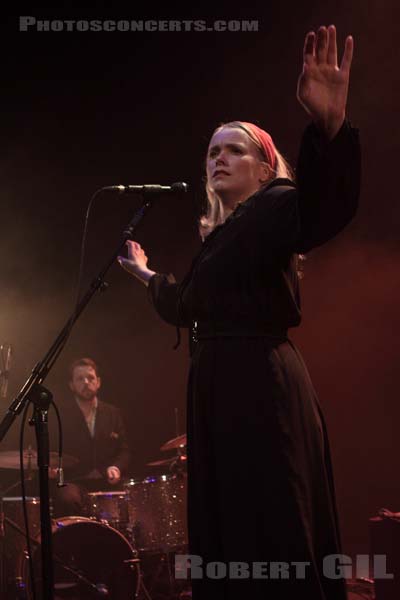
162 582
143 593
157 575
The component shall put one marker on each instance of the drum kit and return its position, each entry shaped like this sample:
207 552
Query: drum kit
121 547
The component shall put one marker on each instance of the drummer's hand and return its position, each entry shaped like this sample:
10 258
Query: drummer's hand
113 475
136 262
322 86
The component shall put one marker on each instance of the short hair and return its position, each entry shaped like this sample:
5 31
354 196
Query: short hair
82 362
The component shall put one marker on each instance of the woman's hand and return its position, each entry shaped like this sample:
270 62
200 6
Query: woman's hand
322 86
136 262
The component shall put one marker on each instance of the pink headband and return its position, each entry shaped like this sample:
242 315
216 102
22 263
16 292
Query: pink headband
265 140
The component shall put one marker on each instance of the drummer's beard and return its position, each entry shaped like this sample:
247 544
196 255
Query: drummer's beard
86 395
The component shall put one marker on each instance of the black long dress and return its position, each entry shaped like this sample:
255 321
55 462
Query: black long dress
260 477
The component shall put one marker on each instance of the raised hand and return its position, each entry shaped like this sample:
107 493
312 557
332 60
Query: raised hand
136 262
322 86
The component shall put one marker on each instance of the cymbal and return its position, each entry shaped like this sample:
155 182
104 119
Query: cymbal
159 463
167 461
178 442
10 460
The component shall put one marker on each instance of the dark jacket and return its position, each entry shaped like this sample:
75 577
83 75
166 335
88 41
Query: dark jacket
109 447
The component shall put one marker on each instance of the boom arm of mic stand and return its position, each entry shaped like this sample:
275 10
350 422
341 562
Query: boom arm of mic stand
35 392
41 370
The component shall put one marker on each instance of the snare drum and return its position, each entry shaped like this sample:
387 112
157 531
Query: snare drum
110 507
157 512
91 560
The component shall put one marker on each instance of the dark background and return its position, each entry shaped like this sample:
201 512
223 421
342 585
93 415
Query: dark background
83 110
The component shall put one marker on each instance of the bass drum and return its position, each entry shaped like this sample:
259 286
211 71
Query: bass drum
91 560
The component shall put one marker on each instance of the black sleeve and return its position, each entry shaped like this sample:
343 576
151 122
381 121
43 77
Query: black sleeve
163 293
287 219
328 184
122 457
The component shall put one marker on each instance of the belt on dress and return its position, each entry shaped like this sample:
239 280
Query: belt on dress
209 331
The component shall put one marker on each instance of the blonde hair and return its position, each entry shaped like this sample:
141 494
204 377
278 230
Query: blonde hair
212 216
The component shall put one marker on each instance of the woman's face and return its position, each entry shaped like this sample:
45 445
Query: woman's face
234 168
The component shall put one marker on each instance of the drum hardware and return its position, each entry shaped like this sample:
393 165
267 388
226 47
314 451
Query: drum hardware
11 460
175 461
16 551
158 574
149 515
178 442
79 573
15 538
16 585
6 352
161 463
19 585
116 508
5 493
178 462
157 520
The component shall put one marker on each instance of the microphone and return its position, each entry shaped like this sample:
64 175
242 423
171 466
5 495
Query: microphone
178 187
6 352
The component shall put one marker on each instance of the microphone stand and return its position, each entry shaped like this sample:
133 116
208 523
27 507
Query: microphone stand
33 391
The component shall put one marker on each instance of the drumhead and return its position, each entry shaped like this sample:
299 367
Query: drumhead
91 559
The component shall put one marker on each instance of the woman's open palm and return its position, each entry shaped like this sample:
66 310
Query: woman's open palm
322 86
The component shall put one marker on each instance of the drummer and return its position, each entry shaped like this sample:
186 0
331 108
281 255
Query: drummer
94 433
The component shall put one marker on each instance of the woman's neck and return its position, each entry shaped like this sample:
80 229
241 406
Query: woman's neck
228 204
